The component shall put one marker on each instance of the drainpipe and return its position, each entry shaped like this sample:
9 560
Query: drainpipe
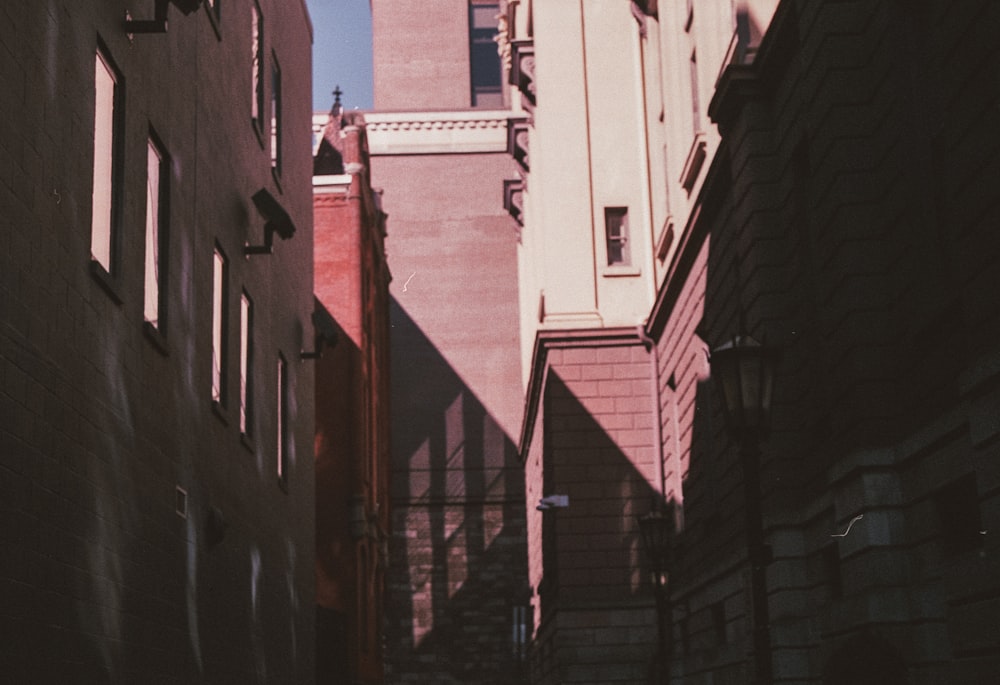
654 364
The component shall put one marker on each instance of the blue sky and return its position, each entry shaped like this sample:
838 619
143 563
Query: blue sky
342 52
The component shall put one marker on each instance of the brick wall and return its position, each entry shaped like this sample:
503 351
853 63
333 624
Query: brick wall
836 221
458 564
593 616
421 54
99 422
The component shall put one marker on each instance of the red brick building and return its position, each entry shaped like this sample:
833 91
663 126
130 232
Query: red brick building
352 404
456 585
156 422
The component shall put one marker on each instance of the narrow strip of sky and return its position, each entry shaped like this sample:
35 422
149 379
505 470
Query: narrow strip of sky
342 53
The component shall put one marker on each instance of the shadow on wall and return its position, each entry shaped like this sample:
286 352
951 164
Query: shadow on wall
458 564
594 567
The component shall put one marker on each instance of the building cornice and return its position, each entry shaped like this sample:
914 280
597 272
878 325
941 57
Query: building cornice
466 131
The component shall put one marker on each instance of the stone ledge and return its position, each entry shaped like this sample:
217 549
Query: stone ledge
401 133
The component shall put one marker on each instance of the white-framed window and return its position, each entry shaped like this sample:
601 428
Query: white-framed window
616 236
246 364
107 106
220 275
157 226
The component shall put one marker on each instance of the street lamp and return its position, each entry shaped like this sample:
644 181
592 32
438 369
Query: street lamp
744 372
657 530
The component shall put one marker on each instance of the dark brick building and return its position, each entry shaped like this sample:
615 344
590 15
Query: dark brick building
156 421
847 214
843 216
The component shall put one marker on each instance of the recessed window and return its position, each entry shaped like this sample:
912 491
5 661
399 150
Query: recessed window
246 364
157 178
107 114
220 275
484 60
616 235
695 99
281 407
719 623
275 115
961 521
257 49
830 555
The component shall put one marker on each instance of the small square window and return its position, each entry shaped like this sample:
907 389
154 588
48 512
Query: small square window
616 235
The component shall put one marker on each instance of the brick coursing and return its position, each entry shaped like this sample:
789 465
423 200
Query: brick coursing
850 228
595 445
101 580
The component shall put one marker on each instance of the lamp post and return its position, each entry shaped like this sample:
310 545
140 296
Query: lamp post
744 372
657 529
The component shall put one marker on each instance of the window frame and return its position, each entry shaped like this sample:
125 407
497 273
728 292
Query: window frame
105 256
282 390
220 318
160 240
616 217
246 365
276 117
257 69
479 38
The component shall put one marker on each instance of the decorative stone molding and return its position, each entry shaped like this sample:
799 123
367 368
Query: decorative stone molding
517 141
647 7
513 199
395 133
522 69
332 188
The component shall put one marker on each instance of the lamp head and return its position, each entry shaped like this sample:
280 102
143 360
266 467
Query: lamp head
743 369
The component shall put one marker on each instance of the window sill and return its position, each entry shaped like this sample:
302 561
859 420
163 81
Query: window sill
247 442
666 239
156 338
105 280
693 163
214 19
621 271
258 131
220 412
